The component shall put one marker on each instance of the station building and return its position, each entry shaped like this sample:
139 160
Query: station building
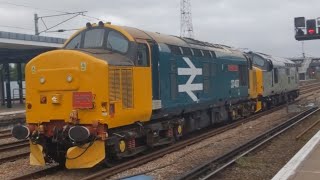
309 67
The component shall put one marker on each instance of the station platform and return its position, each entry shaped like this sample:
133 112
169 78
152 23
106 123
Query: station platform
16 109
305 165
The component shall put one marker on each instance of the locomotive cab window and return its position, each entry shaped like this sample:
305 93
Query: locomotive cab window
116 42
100 38
74 43
94 38
257 60
142 58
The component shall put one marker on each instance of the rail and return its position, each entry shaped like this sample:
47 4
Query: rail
212 167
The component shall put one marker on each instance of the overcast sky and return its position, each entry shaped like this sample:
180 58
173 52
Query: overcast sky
264 26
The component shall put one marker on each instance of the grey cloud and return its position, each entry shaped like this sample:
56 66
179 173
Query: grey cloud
265 26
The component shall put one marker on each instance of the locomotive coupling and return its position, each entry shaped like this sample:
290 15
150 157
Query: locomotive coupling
20 132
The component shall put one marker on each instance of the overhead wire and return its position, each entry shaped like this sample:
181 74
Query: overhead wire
16 27
82 15
60 23
45 9
92 17
31 7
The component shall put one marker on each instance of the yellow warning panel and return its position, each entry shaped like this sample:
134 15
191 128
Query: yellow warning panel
36 155
85 156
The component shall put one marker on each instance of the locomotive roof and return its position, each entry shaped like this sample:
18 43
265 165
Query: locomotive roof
277 61
221 50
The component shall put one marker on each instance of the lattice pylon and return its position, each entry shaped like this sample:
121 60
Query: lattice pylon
186 27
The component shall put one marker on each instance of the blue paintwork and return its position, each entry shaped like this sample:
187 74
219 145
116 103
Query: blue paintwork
220 84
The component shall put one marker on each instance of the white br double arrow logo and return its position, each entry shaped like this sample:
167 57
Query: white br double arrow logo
192 71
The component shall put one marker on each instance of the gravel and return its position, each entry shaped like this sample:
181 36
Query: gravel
175 164
16 168
265 162
8 140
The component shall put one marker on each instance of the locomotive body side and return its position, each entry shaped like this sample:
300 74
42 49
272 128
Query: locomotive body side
278 77
190 83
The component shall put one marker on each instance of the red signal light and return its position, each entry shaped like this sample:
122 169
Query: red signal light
311 31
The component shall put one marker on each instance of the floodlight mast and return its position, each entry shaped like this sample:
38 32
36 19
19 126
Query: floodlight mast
186 27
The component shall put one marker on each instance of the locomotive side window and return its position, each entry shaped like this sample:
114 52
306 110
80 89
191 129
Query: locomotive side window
142 55
197 52
275 75
94 38
116 42
206 53
213 54
186 51
74 43
175 50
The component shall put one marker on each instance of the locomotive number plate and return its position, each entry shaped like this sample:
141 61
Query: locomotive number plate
82 100
233 67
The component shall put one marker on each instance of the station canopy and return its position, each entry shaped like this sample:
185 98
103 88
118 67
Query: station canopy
20 48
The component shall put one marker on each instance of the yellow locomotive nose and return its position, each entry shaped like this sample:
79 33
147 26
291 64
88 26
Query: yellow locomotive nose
66 98
60 81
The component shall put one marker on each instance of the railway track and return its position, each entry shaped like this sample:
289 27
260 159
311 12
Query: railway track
5 135
212 167
5 131
309 85
39 173
105 173
310 89
13 145
14 157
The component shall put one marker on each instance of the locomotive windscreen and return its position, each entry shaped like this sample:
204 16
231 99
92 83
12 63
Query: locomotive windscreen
99 38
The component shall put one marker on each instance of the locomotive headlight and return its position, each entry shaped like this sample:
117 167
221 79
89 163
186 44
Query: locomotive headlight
69 78
42 80
79 133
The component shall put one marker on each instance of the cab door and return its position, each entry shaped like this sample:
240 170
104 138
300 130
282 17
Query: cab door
142 80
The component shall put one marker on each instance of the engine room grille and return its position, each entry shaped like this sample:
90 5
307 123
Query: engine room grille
126 84
121 86
114 84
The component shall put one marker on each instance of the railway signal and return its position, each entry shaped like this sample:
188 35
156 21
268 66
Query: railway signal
307 29
311 27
